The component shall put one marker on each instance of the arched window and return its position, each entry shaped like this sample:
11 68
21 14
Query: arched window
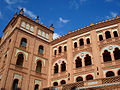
115 34
23 24
89 77
87 60
41 49
32 28
55 52
63 66
88 41
75 45
15 84
78 79
36 87
39 66
116 54
100 37
20 60
27 26
118 72
60 49
63 82
56 68
23 42
107 34
55 84
106 56
81 42
78 62
110 74
65 48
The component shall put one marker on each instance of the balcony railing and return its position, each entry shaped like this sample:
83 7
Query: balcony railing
102 82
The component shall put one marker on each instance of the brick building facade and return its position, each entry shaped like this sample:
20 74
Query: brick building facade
87 58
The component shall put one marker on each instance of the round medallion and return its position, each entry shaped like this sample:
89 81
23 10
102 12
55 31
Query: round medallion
110 48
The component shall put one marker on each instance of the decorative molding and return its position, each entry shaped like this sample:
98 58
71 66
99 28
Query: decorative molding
59 43
59 61
17 76
106 27
38 82
109 48
25 53
39 59
82 55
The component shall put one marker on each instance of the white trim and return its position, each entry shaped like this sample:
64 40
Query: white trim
59 43
106 27
80 35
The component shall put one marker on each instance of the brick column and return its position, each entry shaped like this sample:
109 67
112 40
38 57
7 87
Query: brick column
70 60
96 54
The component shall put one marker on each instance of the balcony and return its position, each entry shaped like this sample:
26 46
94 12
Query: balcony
96 83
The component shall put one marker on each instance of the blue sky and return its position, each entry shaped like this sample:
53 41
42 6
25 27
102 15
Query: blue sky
65 15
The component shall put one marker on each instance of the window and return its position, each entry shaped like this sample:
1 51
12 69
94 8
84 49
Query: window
106 56
60 49
15 85
39 32
56 68
89 77
78 62
78 79
20 60
65 48
119 72
41 49
115 34
107 34
46 35
81 42
23 42
63 82
75 45
116 54
36 87
55 84
55 52
100 37
27 26
63 66
39 66
32 28
87 60
23 24
88 41
43 34
110 74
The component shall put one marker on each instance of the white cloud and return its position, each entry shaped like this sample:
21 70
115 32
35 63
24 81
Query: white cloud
1 14
28 12
55 35
76 3
63 20
10 2
108 0
113 14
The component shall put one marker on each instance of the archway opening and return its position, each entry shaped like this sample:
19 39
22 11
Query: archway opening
63 82
55 84
116 54
20 60
78 79
106 56
78 62
87 60
107 34
36 87
89 77
110 74
39 66
15 84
